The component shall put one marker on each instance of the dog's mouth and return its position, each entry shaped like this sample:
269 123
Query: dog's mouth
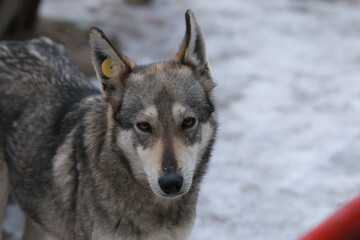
171 196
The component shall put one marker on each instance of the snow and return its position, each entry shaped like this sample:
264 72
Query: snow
288 97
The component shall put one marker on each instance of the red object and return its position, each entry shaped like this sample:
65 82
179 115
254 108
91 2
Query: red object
342 225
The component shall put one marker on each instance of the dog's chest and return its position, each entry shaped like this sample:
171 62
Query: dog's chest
176 233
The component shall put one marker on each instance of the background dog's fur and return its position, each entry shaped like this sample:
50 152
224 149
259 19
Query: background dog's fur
59 141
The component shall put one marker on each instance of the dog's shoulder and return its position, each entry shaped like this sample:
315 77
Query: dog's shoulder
40 60
39 50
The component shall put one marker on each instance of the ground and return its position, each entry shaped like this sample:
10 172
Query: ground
288 96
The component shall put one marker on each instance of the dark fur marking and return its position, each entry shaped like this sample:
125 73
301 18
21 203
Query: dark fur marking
63 124
101 143
117 224
97 202
168 162
199 48
79 156
205 159
127 122
8 153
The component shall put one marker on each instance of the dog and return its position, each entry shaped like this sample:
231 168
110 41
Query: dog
124 162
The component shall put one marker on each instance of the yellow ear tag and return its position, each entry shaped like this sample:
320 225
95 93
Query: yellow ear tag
106 68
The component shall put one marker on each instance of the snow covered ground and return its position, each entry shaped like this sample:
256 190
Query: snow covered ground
288 96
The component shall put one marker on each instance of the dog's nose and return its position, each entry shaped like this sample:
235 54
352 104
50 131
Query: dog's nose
171 183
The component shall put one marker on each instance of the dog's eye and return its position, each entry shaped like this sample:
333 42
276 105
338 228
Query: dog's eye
144 126
188 123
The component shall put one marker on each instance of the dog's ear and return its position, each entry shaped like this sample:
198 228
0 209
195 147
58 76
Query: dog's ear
192 51
110 66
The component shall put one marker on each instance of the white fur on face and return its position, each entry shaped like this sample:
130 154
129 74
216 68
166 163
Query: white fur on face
186 157
189 156
126 143
207 133
151 161
145 163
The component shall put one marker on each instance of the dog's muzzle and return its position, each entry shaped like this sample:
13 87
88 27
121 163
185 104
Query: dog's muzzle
171 184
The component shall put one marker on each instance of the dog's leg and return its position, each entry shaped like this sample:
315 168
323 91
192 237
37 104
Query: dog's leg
4 188
32 232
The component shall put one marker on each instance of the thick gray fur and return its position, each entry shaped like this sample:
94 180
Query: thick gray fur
59 138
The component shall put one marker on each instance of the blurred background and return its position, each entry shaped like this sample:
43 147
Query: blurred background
288 96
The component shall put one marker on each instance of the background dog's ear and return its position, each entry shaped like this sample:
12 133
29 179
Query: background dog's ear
111 67
192 51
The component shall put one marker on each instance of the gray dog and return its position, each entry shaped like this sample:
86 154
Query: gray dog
124 164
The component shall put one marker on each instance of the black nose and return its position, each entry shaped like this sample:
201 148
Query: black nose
171 183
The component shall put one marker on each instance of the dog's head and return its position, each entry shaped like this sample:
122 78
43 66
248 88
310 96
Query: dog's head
163 112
